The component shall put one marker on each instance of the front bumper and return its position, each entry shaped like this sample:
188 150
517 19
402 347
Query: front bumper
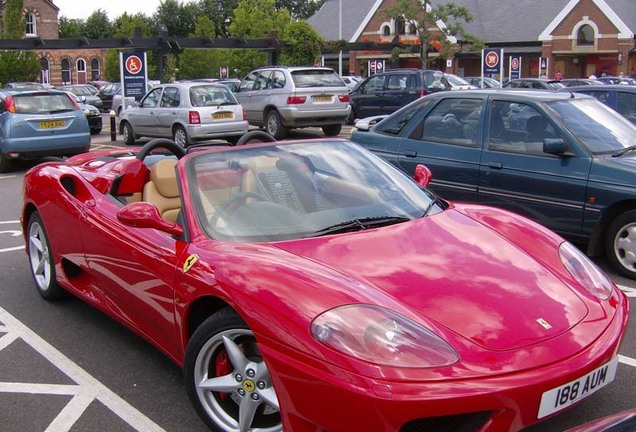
315 396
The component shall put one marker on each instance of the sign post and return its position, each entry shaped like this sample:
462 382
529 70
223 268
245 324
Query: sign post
376 66
543 67
515 68
492 63
223 72
134 76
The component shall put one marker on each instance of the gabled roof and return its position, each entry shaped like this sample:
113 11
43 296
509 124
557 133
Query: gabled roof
494 21
624 31
354 12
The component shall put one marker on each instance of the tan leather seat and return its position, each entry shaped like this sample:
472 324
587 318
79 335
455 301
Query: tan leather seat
163 190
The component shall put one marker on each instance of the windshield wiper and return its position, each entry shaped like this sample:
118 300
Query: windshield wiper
359 224
624 151
430 206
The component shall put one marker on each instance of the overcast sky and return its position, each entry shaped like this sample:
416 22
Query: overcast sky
114 8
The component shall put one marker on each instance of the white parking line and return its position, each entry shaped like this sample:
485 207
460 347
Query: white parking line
84 393
627 360
11 249
7 177
10 222
629 292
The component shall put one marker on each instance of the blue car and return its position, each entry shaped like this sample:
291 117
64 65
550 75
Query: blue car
619 97
562 159
38 123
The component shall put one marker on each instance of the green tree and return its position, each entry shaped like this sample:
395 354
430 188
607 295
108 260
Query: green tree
70 28
304 44
124 25
257 19
300 9
422 17
202 62
219 12
180 19
98 26
16 65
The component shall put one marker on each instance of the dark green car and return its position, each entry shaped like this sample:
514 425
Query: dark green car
564 160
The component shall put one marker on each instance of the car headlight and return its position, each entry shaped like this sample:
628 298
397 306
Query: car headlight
585 271
378 335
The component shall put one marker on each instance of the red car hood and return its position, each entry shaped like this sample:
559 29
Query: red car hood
465 276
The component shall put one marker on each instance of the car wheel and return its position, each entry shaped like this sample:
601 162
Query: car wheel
274 125
227 379
5 164
128 134
620 244
41 259
332 130
96 131
180 136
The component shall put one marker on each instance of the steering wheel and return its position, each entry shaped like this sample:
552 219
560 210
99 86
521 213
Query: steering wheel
164 143
233 203
255 135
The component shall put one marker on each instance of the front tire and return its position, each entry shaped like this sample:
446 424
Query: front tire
128 133
332 130
227 379
41 259
620 244
5 164
274 125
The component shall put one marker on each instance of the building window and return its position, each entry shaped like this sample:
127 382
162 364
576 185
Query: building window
96 72
81 65
31 29
66 71
585 35
400 26
386 31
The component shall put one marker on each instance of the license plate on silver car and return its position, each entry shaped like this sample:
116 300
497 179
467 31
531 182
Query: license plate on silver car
560 397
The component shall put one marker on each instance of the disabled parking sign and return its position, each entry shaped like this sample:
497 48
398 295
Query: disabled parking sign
133 74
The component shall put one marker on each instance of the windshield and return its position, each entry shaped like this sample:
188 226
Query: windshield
211 95
300 190
596 126
42 103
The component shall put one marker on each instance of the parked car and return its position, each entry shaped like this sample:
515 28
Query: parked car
232 83
624 421
617 80
93 115
85 94
24 85
576 82
534 83
131 101
186 112
560 158
459 83
308 285
619 97
385 93
351 81
487 82
281 98
38 123
106 94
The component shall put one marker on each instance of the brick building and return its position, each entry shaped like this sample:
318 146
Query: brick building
578 37
59 66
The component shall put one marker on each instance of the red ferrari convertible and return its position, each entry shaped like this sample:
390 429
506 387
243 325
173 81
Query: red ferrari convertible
311 286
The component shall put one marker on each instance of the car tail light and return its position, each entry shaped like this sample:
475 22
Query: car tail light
423 93
9 104
193 117
343 98
296 100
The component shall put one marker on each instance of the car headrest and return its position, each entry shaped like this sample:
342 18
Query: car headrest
163 175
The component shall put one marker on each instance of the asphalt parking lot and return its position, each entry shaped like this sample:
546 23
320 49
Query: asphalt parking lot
68 367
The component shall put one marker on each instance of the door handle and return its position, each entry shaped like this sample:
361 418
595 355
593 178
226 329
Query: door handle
495 165
410 153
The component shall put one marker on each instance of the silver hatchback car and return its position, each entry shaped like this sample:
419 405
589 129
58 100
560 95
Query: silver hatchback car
186 112
285 97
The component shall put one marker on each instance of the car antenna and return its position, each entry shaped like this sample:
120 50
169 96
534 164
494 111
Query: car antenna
571 94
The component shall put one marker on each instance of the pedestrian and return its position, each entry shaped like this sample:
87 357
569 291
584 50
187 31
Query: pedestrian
558 76
592 76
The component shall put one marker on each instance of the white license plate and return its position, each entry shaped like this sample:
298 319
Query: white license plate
560 397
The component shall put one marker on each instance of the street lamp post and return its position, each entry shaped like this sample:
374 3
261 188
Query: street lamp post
340 36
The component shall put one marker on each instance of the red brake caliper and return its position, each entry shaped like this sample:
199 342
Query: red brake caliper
222 366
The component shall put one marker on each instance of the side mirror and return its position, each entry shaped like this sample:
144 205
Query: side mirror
82 99
146 215
422 175
554 146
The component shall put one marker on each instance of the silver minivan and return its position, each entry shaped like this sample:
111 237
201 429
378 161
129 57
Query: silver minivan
185 112
279 98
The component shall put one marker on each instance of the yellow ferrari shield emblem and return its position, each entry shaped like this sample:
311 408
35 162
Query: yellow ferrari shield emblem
546 325
189 262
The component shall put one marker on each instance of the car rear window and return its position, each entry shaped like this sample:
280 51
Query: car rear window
208 95
42 103
317 78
